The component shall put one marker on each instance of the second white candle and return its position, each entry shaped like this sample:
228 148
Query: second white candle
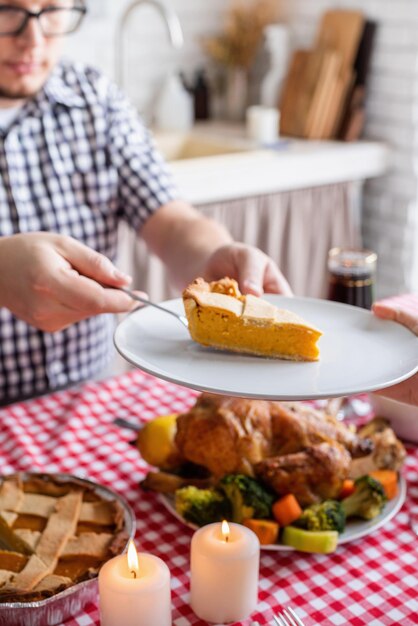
224 573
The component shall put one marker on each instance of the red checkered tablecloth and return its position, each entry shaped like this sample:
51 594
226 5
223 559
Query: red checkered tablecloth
371 581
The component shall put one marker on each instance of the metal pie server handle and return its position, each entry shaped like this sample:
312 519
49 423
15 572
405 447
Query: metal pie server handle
134 296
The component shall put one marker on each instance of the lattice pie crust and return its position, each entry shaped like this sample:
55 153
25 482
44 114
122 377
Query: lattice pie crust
53 534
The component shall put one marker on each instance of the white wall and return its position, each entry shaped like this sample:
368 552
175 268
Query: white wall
390 212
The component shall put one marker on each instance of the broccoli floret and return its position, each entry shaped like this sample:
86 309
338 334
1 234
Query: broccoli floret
201 506
248 498
328 515
367 500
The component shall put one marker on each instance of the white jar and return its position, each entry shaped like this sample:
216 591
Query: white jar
263 124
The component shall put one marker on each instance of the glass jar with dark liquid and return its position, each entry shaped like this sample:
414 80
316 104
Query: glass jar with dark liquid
352 276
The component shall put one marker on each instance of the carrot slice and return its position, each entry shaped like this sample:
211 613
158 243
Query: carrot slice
266 530
389 481
347 489
286 510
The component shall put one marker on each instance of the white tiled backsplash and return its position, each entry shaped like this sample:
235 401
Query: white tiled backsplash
390 213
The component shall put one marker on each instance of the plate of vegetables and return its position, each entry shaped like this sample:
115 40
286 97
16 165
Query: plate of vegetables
364 505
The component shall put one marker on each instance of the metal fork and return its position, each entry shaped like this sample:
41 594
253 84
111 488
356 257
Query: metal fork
287 617
124 423
134 296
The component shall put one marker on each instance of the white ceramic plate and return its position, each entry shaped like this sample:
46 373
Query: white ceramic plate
359 353
353 530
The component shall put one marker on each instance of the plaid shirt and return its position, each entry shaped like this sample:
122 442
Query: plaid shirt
76 160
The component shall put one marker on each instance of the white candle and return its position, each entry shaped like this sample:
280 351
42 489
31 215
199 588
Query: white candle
263 123
135 592
224 572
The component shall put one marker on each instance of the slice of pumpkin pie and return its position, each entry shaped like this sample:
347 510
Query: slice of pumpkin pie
221 317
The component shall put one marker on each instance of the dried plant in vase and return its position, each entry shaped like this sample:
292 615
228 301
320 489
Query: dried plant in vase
235 48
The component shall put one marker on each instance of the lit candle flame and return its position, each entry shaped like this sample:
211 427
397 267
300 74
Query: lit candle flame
225 530
133 564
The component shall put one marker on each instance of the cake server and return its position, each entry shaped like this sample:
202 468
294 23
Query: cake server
135 296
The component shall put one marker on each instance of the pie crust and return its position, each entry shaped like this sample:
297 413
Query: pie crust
221 317
54 534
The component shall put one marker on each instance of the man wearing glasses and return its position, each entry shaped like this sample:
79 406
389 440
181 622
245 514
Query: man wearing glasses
74 161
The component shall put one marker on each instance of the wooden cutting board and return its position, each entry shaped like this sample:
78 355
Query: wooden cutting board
319 80
352 120
365 50
342 31
337 103
298 91
321 107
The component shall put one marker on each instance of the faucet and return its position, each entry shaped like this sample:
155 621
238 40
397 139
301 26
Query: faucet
170 18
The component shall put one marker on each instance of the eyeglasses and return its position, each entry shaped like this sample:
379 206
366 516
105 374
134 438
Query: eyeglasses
54 21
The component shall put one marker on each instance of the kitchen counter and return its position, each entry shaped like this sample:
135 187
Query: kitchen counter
288 165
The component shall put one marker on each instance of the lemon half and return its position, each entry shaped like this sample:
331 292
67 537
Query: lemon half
155 441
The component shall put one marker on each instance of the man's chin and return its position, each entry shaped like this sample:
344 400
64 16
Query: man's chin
20 93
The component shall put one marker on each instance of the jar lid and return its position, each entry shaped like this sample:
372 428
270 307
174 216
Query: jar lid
352 261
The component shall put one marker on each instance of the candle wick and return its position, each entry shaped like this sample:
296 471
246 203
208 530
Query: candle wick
226 538
134 573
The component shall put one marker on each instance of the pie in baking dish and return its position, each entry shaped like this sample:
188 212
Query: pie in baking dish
221 317
53 534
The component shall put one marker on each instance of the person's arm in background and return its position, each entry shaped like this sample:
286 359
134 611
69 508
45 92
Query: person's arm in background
405 311
192 245
52 281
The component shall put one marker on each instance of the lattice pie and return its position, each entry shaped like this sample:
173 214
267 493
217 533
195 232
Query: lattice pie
53 534
221 317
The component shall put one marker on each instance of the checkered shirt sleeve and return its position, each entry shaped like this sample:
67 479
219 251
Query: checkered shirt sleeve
145 182
77 160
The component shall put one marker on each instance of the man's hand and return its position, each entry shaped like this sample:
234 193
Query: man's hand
52 281
402 309
192 245
254 271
